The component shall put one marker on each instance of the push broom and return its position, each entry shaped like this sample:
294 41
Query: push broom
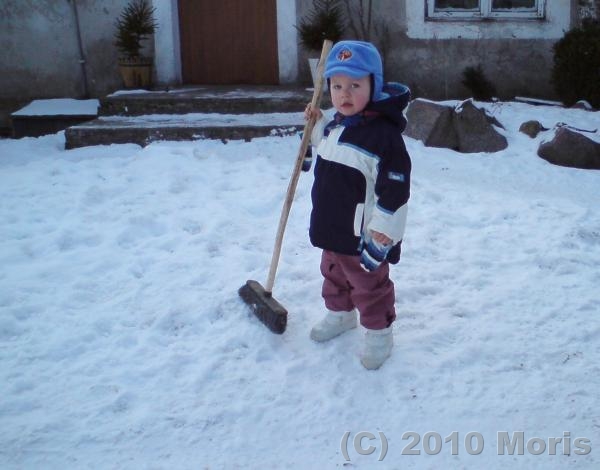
259 298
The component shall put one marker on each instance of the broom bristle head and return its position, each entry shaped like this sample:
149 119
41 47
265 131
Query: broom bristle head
264 306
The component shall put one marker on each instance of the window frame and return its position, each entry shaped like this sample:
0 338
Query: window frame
485 12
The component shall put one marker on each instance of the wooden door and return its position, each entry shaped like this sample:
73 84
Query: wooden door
229 41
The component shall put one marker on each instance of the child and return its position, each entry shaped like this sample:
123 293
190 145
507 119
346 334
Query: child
359 197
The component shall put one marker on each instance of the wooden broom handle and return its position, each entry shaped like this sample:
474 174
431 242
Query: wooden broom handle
308 128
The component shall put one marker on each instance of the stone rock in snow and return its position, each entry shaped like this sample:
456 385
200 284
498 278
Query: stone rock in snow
572 149
432 124
532 128
475 130
465 128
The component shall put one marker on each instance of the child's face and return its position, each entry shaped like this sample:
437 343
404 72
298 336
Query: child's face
350 95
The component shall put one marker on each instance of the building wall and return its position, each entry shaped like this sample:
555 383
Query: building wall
430 56
40 53
166 42
515 55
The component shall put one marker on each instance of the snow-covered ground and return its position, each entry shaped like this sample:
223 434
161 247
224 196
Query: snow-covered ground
124 345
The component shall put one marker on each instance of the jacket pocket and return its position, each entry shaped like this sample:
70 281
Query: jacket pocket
358 219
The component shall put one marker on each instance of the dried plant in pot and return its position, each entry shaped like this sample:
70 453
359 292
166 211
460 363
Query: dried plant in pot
134 26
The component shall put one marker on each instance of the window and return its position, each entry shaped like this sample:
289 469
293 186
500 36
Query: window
484 9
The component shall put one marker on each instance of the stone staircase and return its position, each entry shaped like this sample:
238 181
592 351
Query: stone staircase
201 112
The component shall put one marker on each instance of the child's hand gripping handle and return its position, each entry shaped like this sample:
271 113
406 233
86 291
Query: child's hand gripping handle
308 127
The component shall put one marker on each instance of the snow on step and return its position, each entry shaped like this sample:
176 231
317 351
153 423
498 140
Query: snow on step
145 129
198 120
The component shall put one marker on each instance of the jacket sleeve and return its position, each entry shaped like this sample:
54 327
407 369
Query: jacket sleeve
392 191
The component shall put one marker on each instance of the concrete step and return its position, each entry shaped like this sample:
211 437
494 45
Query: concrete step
143 130
195 112
49 116
207 99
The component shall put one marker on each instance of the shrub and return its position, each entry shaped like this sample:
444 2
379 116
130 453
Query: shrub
576 70
133 26
324 21
477 83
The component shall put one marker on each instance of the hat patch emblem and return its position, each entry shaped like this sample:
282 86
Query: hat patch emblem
344 54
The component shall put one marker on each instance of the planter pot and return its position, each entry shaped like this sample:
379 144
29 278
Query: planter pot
136 73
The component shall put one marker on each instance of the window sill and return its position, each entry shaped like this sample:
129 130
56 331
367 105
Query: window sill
458 18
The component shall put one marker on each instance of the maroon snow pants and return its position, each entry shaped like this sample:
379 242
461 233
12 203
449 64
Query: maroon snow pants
347 285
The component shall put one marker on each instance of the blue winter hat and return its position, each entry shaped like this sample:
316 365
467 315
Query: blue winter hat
356 59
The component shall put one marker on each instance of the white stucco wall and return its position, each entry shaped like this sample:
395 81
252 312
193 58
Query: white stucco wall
40 54
287 41
556 22
167 54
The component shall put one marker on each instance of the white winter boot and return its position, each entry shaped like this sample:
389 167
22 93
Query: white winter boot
378 347
334 324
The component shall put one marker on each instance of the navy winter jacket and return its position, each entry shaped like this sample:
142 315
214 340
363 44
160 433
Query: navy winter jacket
362 176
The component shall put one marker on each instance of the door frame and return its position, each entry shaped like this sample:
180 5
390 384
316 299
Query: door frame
167 53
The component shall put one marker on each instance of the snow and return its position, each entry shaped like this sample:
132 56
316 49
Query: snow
124 344
198 120
60 107
526 99
226 92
